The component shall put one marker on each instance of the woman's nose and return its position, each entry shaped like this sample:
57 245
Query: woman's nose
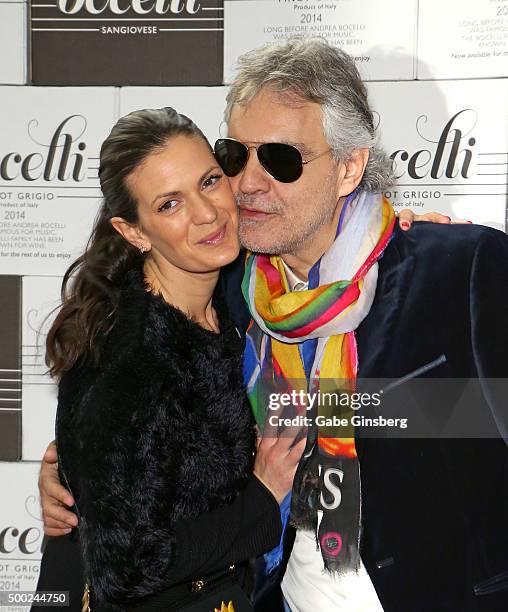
203 211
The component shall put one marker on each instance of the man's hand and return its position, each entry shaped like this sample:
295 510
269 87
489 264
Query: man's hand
54 498
276 461
407 217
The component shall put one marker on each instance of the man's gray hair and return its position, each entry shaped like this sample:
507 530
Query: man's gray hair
315 71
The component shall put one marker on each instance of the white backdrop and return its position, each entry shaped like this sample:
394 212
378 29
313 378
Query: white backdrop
437 75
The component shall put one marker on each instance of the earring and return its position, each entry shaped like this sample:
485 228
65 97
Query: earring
142 249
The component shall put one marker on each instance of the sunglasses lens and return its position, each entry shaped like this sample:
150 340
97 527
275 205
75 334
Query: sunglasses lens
282 161
230 155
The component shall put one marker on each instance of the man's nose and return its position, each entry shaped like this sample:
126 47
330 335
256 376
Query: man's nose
253 178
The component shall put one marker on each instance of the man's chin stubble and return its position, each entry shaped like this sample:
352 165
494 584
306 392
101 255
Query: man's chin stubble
276 246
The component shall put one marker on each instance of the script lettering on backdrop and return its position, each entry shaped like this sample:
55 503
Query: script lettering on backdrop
21 530
57 160
62 161
449 144
444 155
49 183
439 160
127 42
140 7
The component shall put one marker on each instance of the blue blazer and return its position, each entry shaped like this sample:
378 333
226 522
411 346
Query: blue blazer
434 511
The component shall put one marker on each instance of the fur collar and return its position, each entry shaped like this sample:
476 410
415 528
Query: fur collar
161 428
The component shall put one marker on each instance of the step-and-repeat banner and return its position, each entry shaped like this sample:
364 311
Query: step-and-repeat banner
363 29
130 42
437 80
49 159
460 39
449 142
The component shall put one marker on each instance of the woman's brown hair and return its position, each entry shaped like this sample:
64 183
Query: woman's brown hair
91 285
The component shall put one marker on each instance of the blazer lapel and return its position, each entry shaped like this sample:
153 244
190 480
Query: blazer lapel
230 282
376 332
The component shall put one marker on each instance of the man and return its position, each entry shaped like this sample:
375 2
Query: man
336 291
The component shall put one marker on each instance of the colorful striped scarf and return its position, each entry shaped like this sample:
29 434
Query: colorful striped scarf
304 342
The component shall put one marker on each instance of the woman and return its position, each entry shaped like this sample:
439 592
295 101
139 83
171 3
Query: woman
154 436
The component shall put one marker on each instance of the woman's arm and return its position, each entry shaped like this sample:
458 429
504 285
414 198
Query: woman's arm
247 527
133 561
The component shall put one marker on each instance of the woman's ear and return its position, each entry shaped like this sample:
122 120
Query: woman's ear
352 172
131 233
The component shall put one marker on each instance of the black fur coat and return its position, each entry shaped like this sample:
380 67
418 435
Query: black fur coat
159 431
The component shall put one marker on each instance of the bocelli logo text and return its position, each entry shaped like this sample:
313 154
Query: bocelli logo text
59 157
449 155
120 7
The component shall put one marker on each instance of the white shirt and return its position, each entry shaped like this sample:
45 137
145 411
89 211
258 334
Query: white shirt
306 585
295 283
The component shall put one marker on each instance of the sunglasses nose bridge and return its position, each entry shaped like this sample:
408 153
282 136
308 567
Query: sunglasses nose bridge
253 177
247 159
249 147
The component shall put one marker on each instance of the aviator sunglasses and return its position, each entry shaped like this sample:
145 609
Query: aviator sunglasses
282 161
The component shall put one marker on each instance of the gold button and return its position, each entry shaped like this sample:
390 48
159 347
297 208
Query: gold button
224 608
197 585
